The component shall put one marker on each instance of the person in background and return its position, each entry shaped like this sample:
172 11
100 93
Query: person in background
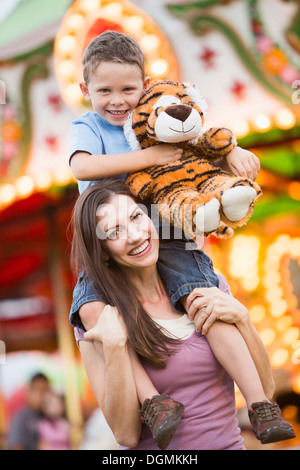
54 428
24 430
97 433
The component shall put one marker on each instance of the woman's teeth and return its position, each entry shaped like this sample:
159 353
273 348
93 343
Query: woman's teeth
140 249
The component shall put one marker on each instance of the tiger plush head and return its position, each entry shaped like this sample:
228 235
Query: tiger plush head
168 112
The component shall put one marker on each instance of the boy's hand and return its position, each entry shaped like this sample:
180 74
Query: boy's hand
162 154
242 162
110 328
208 304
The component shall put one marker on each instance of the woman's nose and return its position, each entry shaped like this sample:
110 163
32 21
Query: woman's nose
133 233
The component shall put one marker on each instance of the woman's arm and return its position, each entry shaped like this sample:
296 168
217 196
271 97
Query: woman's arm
206 305
109 370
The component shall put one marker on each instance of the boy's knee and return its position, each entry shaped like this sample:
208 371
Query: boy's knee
90 312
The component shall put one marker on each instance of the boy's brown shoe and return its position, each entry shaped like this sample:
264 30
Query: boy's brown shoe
268 423
162 414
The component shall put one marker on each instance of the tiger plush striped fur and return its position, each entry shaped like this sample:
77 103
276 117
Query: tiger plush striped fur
192 193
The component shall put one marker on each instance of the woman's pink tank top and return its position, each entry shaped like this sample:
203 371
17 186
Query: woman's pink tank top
195 378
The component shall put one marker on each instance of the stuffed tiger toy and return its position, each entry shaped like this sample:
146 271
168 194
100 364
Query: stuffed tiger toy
192 193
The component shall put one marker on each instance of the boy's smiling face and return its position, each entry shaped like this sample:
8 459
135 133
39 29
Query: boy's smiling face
114 90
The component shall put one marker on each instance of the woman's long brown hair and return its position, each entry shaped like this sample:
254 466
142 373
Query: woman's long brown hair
144 336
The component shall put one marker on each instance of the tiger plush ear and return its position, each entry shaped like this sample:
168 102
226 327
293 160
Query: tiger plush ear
197 97
200 101
130 135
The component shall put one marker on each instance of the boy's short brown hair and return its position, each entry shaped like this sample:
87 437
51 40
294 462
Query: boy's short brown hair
111 46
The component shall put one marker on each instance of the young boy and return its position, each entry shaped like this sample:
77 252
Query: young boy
113 71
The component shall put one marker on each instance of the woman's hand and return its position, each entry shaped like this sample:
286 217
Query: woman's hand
107 363
110 328
206 305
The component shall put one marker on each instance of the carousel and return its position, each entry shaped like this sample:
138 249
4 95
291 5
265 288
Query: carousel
244 57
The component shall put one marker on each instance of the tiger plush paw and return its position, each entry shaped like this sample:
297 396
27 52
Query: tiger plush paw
236 202
207 217
218 142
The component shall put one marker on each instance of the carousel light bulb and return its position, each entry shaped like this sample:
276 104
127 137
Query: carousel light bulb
279 308
43 180
296 353
250 282
283 243
294 190
284 323
295 247
74 22
271 278
279 357
24 186
63 175
285 118
262 123
134 23
257 313
113 11
7 193
274 294
66 69
290 412
291 335
72 93
296 384
88 6
150 43
158 68
240 127
66 45
267 336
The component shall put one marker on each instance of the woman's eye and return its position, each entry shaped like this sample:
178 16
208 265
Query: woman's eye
137 216
113 235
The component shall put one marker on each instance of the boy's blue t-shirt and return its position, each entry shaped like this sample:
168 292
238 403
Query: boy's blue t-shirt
92 134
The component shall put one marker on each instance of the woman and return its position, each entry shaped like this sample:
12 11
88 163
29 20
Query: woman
115 242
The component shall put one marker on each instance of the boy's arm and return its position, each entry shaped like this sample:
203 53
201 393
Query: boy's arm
87 167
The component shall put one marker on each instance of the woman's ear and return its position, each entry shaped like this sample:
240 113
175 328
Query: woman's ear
105 259
85 91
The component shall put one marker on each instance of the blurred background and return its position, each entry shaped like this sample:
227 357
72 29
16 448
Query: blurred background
244 56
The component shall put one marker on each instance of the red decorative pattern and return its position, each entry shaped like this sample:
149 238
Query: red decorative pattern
99 26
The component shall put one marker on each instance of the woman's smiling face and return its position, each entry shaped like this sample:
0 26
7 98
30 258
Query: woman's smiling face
129 235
